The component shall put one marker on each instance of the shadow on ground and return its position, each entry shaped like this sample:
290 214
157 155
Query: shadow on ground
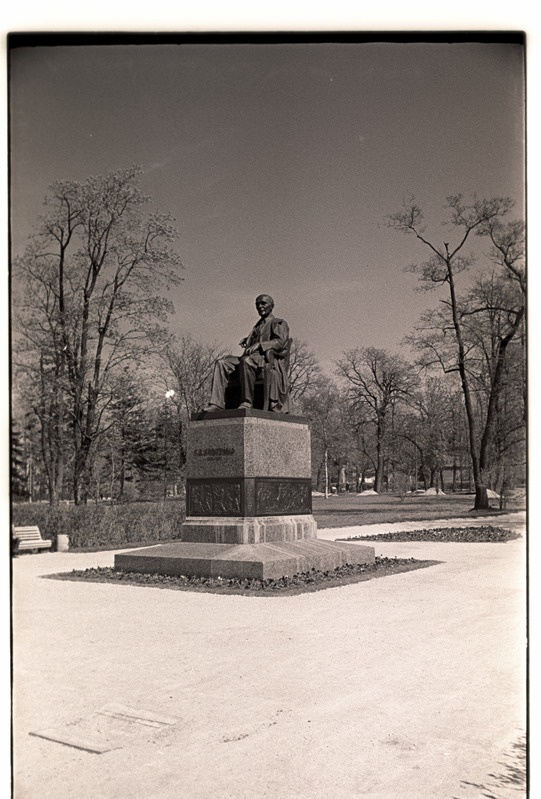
509 782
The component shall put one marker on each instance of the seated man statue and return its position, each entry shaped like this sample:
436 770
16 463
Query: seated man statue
266 352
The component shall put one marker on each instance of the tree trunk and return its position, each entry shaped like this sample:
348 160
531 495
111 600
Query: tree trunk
481 498
112 490
380 459
81 477
54 497
490 421
379 476
53 460
326 469
503 492
318 478
77 481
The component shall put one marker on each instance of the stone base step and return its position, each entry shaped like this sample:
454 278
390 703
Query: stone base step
243 561
249 529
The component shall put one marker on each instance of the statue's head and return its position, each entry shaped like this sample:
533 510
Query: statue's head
264 304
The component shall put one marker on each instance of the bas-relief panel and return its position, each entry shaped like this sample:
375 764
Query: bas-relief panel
282 497
273 497
219 498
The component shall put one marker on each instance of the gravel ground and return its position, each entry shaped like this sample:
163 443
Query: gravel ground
407 687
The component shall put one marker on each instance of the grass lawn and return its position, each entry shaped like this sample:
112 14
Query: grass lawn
93 528
345 510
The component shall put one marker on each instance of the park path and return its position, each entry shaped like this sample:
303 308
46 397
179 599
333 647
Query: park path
407 687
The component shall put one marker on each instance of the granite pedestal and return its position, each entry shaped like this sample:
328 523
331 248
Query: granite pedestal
248 503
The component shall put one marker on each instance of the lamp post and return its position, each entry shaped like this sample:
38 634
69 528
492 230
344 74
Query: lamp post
168 395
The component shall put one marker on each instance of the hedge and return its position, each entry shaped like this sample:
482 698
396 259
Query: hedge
104 526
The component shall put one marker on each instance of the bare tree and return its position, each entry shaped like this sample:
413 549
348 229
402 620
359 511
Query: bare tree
185 376
427 426
376 381
188 370
304 370
452 326
323 408
91 282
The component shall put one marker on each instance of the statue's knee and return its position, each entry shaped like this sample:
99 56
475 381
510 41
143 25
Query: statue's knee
225 364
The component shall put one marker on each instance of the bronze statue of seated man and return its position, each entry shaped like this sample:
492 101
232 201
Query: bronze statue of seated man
266 355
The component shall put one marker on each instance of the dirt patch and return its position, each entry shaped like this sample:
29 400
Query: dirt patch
298 584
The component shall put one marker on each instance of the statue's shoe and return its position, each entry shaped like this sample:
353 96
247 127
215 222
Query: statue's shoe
244 405
210 407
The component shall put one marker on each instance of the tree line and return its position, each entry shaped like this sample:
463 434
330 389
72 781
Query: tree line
102 390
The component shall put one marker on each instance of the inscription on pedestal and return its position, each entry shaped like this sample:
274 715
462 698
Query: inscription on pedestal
232 447
213 452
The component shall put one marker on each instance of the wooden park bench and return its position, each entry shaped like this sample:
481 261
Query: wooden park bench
28 539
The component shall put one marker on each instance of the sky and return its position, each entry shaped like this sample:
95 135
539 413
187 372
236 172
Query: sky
279 163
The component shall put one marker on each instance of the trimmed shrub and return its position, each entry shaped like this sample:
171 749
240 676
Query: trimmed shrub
104 526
